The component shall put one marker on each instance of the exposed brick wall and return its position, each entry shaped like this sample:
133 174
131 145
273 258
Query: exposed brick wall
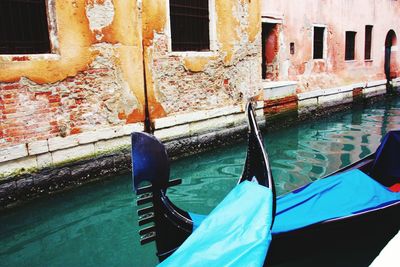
90 100
220 82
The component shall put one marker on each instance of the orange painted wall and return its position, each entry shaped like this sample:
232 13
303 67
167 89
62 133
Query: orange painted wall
94 77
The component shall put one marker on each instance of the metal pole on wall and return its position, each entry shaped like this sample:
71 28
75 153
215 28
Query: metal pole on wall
147 121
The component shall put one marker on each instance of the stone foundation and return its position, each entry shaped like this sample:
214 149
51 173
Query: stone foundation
59 163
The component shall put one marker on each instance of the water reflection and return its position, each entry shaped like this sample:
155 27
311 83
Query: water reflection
96 225
298 155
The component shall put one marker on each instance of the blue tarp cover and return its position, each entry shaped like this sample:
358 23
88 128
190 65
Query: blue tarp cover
337 196
236 233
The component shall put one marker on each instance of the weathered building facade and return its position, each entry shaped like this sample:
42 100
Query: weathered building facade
327 52
86 73
89 72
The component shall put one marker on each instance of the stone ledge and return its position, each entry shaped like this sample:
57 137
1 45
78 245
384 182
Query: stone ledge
276 90
13 152
38 147
330 91
60 143
68 154
180 119
374 91
376 83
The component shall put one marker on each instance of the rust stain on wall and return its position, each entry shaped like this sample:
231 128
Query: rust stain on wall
74 38
154 19
227 26
155 108
124 28
254 19
197 64
130 61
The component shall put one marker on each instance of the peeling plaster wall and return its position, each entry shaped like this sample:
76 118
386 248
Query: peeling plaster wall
92 80
185 82
94 77
338 16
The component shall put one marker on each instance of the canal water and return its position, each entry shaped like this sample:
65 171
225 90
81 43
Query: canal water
96 225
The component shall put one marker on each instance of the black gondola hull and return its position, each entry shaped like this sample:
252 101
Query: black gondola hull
367 232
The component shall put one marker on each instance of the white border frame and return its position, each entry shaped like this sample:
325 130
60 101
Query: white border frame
325 40
53 33
212 33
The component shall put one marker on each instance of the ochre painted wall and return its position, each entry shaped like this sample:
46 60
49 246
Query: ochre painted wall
94 77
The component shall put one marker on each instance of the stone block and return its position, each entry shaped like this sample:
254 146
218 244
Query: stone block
111 144
72 153
87 137
58 143
223 111
44 160
374 91
38 147
307 105
274 90
212 125
133 127
21 164
13 152
165 122
195 116
311 94
108 133
376 83
172 132
336 99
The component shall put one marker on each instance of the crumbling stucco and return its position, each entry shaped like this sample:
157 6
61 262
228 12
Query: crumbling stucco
100 14
197 81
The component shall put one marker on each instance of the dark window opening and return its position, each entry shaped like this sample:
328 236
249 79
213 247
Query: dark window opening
318 42
291 48
270 50
190 25
350 45
24 27
368 40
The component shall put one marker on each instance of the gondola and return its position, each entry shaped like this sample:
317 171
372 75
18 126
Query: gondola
346 209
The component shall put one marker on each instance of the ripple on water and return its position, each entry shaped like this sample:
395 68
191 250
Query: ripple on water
96 225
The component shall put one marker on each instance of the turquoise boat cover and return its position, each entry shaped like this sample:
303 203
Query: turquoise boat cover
333 197
236 233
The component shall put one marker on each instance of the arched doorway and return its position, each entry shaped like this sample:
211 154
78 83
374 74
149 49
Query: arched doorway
390 55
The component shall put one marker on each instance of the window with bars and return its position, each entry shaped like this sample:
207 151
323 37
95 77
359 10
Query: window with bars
350 45
190 25
24 27
368 41
318 52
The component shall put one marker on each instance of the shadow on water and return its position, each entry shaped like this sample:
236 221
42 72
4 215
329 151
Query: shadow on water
96 225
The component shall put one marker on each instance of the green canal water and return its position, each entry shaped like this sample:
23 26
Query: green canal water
96 225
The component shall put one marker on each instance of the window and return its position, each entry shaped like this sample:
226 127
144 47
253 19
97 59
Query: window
270 50
350 45
190 25
24 27
318 51
368 39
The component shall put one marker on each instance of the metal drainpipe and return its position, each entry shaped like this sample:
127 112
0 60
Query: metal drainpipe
148 127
